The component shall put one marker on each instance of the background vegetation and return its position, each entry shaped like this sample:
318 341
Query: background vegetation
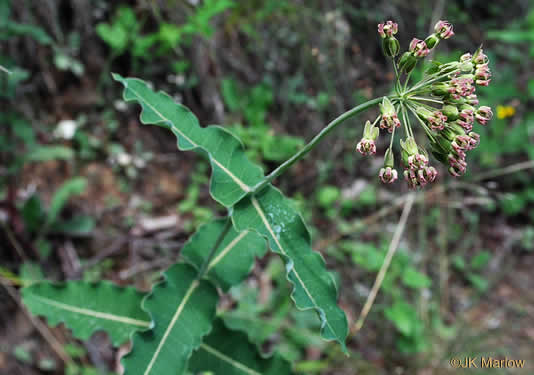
87 193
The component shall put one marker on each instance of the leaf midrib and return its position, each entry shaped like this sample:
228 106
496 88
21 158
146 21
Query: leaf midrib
258 208
240 183
231 361
93 313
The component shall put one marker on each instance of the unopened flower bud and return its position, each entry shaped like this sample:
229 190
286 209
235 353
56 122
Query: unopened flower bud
390 46
443 29
407 62
409 146
387 29
451 111
440 89
483 115
431 41
418 48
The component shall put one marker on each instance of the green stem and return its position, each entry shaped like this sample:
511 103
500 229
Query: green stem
213 250
300 154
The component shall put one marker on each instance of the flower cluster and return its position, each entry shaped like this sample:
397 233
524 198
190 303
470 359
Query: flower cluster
444 104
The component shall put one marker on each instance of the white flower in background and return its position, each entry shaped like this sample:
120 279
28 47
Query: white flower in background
65 129
124 159
120 105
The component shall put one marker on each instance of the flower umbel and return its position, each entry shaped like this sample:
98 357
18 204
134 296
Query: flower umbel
444 103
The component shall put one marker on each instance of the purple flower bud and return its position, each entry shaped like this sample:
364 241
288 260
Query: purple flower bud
411 178
466 119
419 48
437 121
457 164
390 122
475 140
443 29
461 87
417 161
366 147
388 175
387 29
483 115
389 119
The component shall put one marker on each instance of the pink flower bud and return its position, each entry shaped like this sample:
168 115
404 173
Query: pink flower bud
417 161
475 140
461 87
411 178
466 119
443 29
471 99
387 29
437 121
388 175
483 115
366 147
480 57
419 48
458 166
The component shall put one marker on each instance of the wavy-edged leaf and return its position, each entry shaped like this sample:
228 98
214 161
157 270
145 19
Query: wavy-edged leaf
233 175
89 307
273 216
228 352
234 257
183 309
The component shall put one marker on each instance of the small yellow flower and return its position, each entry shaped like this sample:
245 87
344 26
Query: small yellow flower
504 111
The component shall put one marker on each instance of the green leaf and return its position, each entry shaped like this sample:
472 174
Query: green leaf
79 225
403 316
183 309
233 174
235 255
480 260
230 353
72 187
86 308
415 279
273 216
46 153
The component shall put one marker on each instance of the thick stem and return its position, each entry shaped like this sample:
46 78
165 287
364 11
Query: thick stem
213 250
300 154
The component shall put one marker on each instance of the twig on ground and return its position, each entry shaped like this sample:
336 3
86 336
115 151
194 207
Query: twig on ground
389 256
56 346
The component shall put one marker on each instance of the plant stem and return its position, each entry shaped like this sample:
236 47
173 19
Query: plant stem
213 250
300 154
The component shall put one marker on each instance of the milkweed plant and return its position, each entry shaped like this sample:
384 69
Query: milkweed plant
175 327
